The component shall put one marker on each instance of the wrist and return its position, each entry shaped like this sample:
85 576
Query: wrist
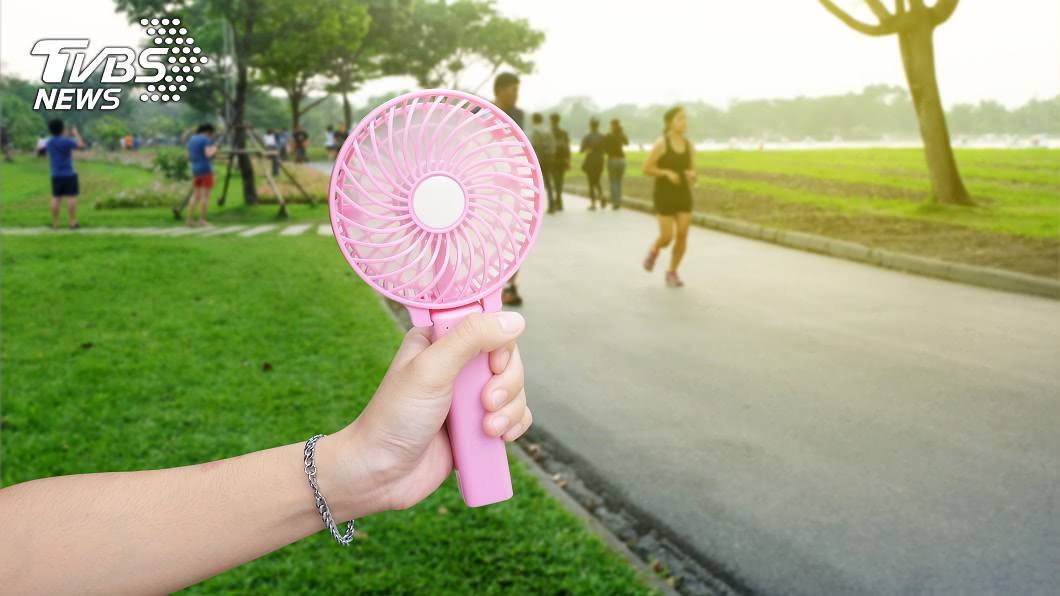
349 478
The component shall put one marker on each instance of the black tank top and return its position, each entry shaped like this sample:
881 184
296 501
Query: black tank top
678 163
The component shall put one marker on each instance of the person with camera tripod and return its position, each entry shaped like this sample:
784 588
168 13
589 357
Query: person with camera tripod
201 150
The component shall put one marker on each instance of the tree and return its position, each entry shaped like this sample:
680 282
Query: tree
304 44
444 40
251 24
108 130
351 65
1038 117
21 123
914 23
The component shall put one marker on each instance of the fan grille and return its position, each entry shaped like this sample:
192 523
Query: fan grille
415 137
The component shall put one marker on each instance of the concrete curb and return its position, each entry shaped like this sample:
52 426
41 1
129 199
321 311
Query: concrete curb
987 277
544 480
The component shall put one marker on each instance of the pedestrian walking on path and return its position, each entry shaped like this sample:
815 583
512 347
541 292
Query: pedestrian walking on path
282 140
593 165
614 141
560 158
544 145
329 142
301 142
271 145
64 179
671 163
505 96
341 132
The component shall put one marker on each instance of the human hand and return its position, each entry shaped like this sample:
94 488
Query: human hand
673 177
398 448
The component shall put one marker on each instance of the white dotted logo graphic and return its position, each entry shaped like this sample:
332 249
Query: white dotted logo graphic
184 60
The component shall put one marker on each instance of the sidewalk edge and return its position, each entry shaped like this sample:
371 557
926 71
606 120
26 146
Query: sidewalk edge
997 279
544 480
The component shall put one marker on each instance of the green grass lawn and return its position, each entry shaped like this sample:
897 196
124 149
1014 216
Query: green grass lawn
127 353
1017 191
25 194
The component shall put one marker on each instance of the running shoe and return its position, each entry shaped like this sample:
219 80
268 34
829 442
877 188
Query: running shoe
672 280
649 260
510 297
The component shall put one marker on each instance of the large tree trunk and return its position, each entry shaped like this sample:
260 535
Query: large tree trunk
296 108
347 112
918 60
239 136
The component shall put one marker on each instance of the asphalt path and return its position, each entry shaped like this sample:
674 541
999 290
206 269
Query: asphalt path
812 425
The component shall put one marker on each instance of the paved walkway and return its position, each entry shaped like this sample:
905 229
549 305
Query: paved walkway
815 425
243 231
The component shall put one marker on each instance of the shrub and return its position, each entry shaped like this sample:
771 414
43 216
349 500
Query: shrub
173 164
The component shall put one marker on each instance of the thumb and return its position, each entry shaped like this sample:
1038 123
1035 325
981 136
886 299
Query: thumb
440 363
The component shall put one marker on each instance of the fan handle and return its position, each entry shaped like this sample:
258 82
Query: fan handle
480 460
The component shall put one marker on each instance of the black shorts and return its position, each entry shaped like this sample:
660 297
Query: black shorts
65 186
670 199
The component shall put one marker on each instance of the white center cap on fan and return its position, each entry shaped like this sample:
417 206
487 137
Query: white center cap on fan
438 202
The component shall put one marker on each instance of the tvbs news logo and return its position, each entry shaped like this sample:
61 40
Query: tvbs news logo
166 67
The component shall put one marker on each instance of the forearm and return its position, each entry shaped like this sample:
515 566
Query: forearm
158 531
655 171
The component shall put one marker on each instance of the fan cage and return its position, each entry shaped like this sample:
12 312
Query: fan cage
416 136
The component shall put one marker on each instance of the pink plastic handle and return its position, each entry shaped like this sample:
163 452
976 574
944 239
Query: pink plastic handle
480 460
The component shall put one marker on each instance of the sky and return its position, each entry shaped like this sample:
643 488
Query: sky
669 51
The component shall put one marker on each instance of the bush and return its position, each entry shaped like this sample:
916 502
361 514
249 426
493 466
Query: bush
108 130
23 125
173 164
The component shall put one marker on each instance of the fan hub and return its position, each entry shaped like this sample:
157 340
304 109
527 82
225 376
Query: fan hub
438 202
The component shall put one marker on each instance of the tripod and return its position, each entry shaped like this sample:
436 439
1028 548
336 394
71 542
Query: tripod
261 153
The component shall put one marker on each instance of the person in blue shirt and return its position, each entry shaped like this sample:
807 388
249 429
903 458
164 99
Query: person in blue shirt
200 151
60 150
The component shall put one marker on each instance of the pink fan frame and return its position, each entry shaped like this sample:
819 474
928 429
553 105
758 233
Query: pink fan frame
489 292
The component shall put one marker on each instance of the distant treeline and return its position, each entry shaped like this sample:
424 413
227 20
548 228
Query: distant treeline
877 112
158 122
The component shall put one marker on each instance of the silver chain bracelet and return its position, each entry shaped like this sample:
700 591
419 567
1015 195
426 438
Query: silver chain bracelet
322 505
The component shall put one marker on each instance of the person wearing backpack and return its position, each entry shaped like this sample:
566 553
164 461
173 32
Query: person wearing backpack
561 159
593 165
544 145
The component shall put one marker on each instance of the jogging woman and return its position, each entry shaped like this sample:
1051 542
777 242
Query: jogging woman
672 164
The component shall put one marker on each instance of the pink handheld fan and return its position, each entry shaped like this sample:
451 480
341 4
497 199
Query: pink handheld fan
435 200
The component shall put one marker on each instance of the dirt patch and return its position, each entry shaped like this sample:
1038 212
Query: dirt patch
834 188
947 242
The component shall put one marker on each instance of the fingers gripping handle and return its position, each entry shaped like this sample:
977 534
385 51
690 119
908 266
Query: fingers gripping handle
481 461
